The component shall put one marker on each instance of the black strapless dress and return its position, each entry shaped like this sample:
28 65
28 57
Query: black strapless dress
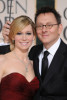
16 87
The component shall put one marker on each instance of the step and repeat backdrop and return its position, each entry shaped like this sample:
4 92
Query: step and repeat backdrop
28 7
16 8
61 6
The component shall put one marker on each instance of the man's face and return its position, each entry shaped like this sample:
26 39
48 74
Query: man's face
48 35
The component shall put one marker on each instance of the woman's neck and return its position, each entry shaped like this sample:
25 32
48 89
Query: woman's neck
21 54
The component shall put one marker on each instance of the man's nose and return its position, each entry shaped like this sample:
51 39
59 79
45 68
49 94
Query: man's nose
44 28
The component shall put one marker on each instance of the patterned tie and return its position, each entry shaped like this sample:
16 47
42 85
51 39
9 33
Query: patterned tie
44 65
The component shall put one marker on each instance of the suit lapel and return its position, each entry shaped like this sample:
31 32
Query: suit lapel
36 68
36 61
56 63
54 67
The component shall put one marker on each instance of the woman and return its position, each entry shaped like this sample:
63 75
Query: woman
17 78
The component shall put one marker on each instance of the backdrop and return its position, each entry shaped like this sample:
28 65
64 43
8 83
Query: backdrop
18 7
28 7
61 6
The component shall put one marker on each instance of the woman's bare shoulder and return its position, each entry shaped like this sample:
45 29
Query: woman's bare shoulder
5 58
2 58
2 64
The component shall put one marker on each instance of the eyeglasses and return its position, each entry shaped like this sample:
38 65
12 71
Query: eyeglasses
40 27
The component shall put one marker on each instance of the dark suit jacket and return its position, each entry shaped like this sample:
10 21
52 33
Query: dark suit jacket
4 49
54 86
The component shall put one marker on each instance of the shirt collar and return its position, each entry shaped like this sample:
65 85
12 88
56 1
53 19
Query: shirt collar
52 50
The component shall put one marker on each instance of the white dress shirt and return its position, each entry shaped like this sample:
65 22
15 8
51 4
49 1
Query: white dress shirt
2 44
52 50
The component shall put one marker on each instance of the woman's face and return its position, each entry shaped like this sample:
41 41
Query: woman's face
23 39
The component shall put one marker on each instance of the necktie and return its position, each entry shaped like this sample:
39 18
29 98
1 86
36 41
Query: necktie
44 65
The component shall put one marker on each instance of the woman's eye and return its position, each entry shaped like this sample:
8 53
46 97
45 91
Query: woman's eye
28 33
19 33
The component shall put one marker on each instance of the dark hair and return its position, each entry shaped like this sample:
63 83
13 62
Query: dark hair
48 10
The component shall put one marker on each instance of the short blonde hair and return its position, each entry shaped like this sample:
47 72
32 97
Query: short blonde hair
19 24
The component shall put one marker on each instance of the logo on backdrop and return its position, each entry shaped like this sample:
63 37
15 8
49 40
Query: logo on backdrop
65 29
16 8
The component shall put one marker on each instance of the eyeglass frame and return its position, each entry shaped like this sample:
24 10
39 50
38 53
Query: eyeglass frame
41 26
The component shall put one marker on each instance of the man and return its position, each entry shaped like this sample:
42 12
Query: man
53 83
5 46
48 29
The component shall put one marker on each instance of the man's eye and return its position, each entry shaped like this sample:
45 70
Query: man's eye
19 33
28 33
49 25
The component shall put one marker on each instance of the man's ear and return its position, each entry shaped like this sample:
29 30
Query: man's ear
60 29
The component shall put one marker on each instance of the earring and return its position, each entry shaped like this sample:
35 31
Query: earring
13 41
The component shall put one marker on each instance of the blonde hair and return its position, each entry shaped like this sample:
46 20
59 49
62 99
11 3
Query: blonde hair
19 24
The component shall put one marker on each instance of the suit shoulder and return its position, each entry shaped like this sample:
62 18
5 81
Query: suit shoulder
4 49
64 48
34 50
35 47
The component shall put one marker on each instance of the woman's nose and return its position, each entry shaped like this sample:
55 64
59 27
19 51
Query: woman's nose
24 37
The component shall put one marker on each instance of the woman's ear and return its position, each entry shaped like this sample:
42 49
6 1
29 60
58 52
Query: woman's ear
13 40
